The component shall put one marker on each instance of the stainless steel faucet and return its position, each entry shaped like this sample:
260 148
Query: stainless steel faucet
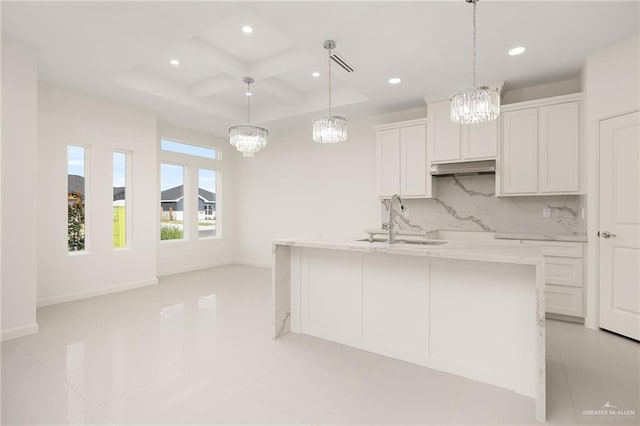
392 215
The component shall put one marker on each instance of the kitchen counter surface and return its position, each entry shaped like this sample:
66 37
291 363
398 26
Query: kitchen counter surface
480 251
538 237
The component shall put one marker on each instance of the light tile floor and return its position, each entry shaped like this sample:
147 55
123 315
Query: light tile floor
196 349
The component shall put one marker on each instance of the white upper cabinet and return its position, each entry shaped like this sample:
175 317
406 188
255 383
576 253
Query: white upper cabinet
444 134
450 142
559 146
401 165
520 151
541 147
413 161
480 141
388 162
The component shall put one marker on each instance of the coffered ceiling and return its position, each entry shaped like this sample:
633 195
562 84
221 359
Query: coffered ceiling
123 50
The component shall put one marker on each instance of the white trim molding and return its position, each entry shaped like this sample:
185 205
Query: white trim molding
97 292
13 333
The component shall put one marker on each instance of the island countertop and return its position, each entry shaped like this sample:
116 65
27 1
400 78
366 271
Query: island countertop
462 250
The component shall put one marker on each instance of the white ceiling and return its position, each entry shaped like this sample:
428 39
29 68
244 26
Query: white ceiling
122 50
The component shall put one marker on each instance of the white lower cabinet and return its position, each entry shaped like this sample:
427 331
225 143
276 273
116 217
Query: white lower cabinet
564 300
564 268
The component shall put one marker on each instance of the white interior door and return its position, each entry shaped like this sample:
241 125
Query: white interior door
620 225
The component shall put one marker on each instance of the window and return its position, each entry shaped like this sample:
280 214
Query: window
206 203
183 148
76 198
172 202
120 213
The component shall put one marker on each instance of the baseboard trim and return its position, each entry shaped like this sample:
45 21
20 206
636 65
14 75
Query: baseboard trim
567 318
98 292
195 268
252 263
13 333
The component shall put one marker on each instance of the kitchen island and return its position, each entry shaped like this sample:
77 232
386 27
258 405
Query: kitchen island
467 308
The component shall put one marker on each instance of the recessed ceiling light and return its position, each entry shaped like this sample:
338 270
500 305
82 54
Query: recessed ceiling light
315 74
517 50
394 80
247 29
249 94
175 62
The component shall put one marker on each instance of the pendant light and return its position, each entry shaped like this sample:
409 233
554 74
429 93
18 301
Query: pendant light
330 128
478 104
246 138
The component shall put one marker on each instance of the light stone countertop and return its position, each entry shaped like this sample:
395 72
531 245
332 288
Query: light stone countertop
537 237
480 251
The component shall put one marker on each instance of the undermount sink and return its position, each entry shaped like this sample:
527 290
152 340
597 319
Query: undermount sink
422 242
411 242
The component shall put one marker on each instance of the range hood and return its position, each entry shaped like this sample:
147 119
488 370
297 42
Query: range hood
466 168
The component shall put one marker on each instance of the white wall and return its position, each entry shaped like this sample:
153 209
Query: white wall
19 190
185 255
69 117
544 90
296 187
611 82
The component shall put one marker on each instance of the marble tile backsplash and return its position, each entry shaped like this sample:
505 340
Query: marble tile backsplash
468 203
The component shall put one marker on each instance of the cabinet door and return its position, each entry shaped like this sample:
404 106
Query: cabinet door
413 161
559 140
388 162
520 152
480 141
444 134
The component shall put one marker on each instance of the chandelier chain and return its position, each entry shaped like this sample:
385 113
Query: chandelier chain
329 81
473 62
248 103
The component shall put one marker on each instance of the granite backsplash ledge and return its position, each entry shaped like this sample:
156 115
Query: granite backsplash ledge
468 203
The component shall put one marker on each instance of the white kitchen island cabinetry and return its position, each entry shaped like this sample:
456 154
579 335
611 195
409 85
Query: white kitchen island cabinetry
401 160
475 310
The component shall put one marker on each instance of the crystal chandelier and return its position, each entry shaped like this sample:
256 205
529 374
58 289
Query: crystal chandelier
330 128
480 103
246 138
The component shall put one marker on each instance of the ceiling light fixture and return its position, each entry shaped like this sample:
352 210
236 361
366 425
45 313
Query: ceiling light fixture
394 80
480 103
330 128
246 138
517 50
315 74
247 29
174 62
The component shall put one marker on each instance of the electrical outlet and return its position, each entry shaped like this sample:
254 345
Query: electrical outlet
546 212
406 214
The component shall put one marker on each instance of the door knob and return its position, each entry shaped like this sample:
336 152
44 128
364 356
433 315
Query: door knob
606 234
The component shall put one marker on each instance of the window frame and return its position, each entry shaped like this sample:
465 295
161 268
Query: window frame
192 163
186 204
128 160
87 199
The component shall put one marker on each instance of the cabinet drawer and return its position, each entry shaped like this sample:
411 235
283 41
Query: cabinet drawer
557 248
563 271
563 300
